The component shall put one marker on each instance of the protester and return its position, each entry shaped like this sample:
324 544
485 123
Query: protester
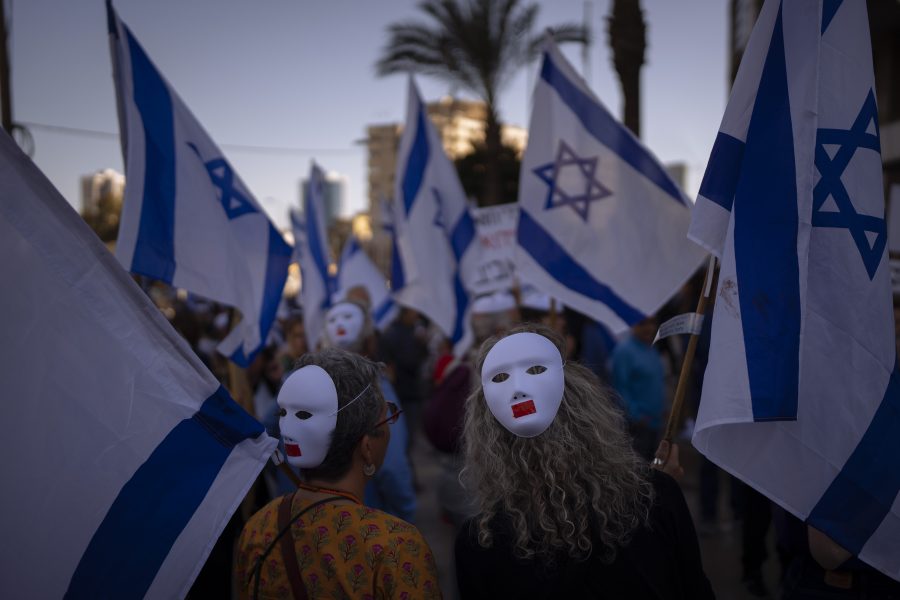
349 326
406 350
567 509
639 378
294 342
321 541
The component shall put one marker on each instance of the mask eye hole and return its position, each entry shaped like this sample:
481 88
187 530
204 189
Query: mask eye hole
302 414
282 412
536 370
500 377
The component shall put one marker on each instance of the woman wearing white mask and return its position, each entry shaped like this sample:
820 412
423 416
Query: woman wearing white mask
321 541
566 508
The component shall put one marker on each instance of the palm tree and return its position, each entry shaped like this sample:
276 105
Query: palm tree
476 45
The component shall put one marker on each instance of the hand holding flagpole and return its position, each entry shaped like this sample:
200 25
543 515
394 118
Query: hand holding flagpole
680 391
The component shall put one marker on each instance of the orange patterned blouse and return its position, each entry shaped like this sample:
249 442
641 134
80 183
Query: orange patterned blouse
344 551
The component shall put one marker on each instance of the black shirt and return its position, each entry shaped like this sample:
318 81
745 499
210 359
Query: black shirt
662 561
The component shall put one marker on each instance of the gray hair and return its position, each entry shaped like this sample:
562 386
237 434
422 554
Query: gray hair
576 486
352 375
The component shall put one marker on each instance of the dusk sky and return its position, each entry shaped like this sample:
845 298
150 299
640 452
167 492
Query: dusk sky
296 78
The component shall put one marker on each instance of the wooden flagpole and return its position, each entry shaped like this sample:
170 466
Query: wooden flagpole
709 286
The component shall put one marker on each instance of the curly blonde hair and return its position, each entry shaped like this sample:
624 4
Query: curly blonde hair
577 484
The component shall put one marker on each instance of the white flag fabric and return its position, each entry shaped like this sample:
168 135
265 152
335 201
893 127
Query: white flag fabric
124 457
601 226
357 269
801 397
433 228
187 218
311 244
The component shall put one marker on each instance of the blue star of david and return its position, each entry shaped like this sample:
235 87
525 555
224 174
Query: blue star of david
439 213
556 196
222 176
830 184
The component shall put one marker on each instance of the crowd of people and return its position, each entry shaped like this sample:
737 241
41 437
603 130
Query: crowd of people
544 433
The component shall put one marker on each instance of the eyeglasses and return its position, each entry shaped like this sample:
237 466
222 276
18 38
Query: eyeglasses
393 412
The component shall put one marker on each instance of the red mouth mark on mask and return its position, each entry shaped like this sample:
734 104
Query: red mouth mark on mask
341 331
292 449
523 408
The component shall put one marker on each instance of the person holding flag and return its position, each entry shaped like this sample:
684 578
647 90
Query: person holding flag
565 507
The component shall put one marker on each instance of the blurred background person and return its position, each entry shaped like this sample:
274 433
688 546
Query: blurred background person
639 378
348 325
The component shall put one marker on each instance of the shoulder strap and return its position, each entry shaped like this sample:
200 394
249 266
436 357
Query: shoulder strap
288 499
288 552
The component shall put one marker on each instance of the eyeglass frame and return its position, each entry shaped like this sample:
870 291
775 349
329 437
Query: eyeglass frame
391 418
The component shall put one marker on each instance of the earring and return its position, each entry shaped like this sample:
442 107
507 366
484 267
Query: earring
369 470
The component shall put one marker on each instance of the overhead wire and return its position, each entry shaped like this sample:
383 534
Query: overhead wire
251 148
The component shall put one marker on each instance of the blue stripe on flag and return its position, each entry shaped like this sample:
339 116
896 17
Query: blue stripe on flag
279 258
462 234
603 126
765 245
416 162
829 9
462 303
154 252
554 259
111 20
382 310
723 171
398 279
159 500
861 495
316 244
353 246
460 239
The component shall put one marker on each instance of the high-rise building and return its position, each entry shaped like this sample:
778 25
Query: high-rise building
460 123
101 202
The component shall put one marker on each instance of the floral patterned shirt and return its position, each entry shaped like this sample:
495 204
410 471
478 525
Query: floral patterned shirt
344 551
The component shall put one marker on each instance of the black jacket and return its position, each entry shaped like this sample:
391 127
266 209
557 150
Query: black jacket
661 562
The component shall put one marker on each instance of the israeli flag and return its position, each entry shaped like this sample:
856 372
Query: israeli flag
801 397
433 228
124 458
601 225
313 255
187 218
356 269
389 216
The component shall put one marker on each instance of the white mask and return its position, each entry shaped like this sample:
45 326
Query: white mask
344 323
523 382
309 404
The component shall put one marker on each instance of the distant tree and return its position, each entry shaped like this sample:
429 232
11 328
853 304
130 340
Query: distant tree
477 45
473 173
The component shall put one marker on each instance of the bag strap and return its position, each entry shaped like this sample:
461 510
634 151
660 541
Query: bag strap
288 552
289 499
